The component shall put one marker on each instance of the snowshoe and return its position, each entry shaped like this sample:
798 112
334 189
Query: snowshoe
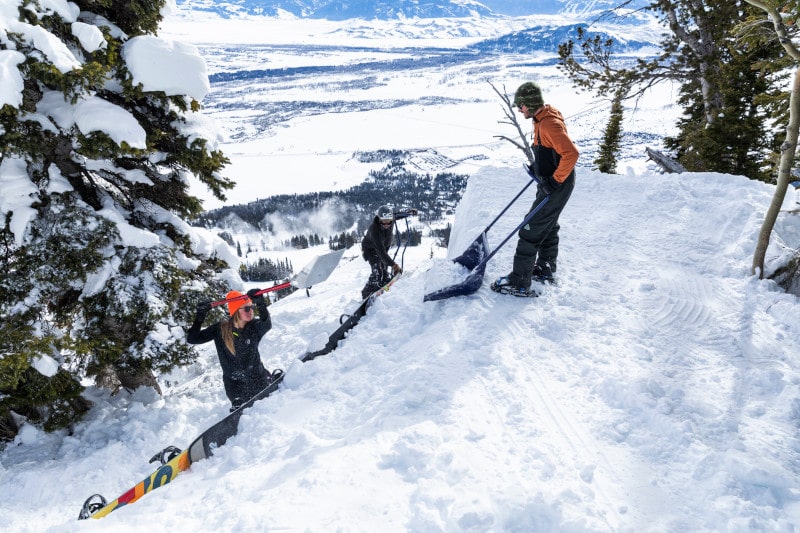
503 286
543 273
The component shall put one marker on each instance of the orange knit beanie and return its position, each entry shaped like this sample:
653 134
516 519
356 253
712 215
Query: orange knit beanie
236 304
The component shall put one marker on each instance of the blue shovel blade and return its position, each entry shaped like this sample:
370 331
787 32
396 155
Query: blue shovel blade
472 257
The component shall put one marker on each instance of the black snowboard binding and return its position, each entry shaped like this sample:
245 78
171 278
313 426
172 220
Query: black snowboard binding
93 503
166 455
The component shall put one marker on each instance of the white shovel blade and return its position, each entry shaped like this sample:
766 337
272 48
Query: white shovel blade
318 269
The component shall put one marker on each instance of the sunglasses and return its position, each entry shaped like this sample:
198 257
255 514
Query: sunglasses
386 223
249 308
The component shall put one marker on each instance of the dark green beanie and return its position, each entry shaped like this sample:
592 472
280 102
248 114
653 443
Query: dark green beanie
529 94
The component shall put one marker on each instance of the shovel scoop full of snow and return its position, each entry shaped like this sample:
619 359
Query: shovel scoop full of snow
459 277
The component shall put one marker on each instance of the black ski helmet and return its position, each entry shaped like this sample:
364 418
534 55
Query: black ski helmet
385 214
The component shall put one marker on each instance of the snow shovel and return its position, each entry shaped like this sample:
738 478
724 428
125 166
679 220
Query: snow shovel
477 254
315 272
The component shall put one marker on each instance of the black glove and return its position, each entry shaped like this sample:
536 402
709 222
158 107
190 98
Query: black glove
549 185
255 297
203 308
260 302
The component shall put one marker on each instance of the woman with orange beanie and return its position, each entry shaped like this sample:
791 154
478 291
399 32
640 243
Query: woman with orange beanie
236 339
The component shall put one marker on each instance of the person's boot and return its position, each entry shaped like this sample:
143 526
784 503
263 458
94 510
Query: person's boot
543 272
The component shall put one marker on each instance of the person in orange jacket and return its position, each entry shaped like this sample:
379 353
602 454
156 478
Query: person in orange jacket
555 156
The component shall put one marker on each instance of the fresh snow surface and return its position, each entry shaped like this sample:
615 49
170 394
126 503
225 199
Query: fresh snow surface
654 389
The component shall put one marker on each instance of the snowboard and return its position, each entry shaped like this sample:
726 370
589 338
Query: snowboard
350 322
159 478
217 435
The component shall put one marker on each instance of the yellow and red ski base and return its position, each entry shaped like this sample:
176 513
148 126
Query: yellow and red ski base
159 478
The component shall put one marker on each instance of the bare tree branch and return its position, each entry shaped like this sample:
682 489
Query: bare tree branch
511 118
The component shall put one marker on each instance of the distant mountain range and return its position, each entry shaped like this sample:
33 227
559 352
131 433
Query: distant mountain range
546 38
398 9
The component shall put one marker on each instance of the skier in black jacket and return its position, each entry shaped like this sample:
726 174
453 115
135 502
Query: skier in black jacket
236 339
375 250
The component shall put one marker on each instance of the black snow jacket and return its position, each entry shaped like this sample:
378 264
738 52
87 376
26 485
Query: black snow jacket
243 373
376 243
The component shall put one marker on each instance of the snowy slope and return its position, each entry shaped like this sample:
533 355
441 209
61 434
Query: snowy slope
655 389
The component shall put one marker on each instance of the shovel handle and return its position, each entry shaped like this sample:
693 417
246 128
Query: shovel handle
284 285
533 180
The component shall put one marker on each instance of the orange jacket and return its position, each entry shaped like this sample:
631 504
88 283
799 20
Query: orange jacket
550 131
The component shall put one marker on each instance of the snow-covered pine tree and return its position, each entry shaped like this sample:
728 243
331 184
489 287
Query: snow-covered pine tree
99 266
